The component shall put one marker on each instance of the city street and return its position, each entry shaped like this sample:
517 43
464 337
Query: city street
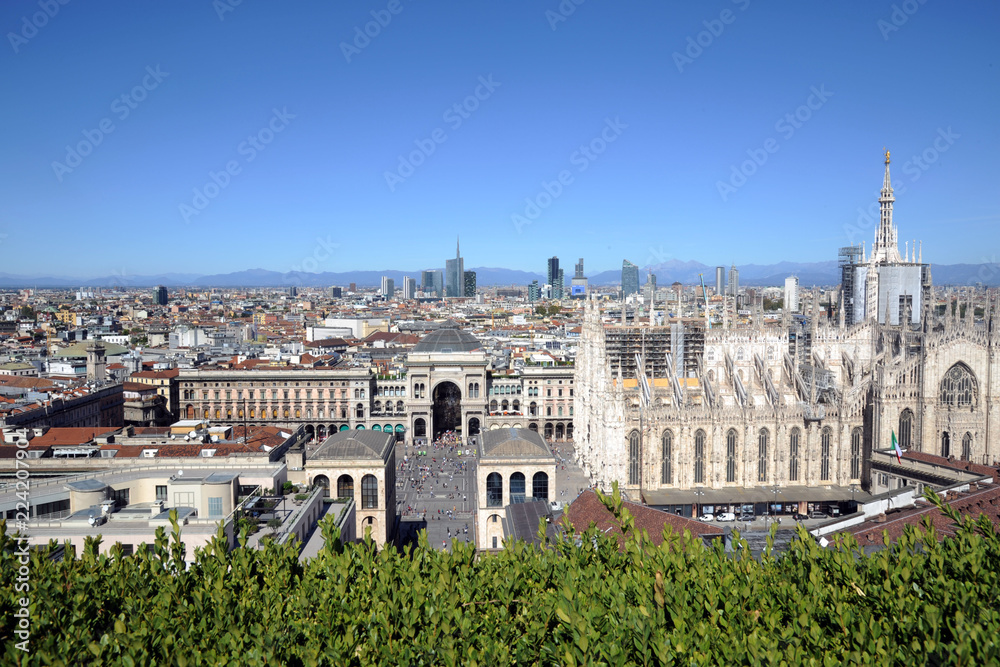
436 491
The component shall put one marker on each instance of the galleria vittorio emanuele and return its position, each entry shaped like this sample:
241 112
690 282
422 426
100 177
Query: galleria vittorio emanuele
785 413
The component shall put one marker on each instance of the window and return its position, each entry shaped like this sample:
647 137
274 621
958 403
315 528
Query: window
517 488
793 455
945 444
699 457
345 487
183 498
967 447
633 458
667 455
494 490
369 492
958 387
214 507
762 443
906 429
359 412
540 486
824 455
731 456
161 493
856 453
120 496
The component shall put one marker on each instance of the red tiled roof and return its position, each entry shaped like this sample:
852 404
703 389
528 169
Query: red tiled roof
955 465
588 508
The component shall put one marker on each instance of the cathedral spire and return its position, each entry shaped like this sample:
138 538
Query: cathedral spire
458 251
886 246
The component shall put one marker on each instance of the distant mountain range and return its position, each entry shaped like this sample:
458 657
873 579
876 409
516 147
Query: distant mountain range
809 273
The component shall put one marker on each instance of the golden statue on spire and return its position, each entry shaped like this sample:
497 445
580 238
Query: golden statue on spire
886 155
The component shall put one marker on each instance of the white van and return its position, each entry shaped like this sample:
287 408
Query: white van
725 516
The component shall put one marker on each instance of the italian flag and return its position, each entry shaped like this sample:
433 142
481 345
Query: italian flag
895 445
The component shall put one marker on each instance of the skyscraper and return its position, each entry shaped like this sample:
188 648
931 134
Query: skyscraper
388 287
160 295
630 278
455 274
792 294
734 281
578 285
432 283
554 277
409 287
720 279
534 291
470 283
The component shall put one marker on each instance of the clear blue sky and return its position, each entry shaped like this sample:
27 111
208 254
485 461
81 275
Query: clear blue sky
678 128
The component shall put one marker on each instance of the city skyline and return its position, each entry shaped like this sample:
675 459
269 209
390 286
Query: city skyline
694 135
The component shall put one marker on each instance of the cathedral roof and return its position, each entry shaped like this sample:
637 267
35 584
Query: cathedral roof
448 340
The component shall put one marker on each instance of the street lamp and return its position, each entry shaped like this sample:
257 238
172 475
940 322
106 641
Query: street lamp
696 503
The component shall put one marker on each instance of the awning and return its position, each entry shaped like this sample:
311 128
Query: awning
400 428
739 495
376 427
344 427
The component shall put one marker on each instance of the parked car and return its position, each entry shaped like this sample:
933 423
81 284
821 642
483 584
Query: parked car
816 514
725 516
747 516
799 517
706 518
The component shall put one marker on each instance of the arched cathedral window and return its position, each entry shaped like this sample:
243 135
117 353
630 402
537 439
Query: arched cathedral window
633 458
666 465
958 387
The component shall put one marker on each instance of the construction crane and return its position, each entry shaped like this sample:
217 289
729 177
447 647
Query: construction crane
704 294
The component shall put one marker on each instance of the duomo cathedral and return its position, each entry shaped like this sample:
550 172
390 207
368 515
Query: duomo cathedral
786 413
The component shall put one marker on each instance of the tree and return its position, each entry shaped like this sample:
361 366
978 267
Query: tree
274 524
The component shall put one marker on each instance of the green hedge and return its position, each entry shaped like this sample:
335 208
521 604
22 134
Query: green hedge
919 601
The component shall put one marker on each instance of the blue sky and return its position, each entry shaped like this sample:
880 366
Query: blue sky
617 130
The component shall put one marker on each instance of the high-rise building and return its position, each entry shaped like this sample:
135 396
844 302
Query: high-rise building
720 280
470 283
630 278
409 287
455 274
553 278
293 291
578 285
534 291
160 295
388 287
336 292
432 283
792 294
353 287
734 281
561 283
